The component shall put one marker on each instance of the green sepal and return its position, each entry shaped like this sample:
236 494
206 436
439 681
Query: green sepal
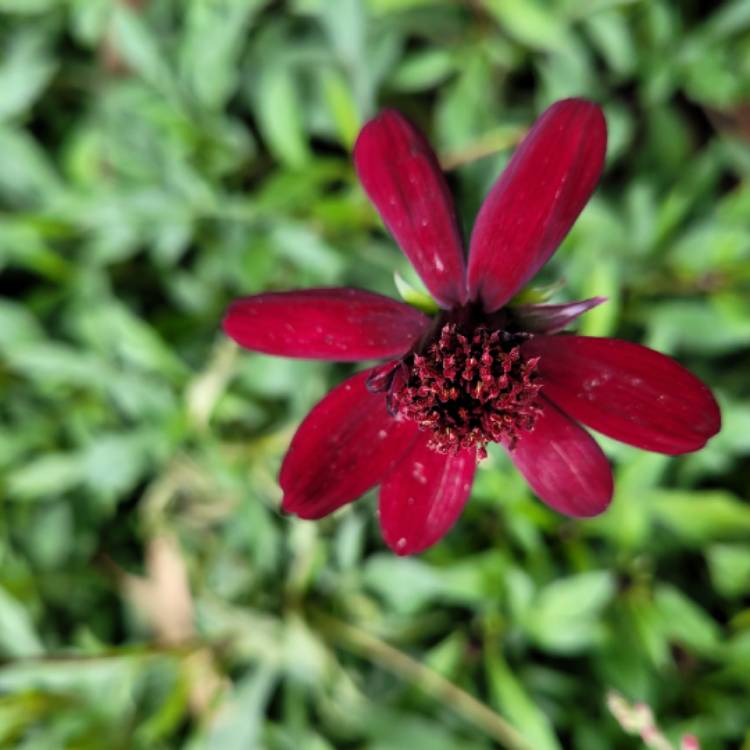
414 297
536 295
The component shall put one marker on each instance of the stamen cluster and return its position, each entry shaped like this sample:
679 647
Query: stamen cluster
468 390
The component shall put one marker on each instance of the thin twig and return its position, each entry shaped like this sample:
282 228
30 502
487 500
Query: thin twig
485 146
207 387
432 683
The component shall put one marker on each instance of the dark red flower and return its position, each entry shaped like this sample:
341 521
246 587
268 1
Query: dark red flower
481 370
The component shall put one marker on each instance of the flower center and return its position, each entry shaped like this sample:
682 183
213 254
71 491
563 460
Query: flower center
468 389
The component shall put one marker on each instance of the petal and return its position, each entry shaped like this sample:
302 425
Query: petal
402 177
536 200
552 318
423 496
563 464
626 391
346 325
345 446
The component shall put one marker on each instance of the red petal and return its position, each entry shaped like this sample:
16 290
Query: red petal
563 464
402 177
345 446
536 200
346 325
553 318
626 391
423 496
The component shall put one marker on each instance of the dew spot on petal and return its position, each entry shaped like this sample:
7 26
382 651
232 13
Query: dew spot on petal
418 474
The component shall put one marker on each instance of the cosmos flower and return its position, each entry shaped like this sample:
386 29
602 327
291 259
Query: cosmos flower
481 370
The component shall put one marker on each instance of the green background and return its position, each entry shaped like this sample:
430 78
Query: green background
157 160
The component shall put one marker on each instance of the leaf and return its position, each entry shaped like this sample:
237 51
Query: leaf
418 583
612 37
565 617
394 729
214 33
729 565
112 464
46 477
701 516
17 325
306 248
27 177
280 115
345 23
423 70
602 320
684 621
413 296
18 638
342 106
514 702
305 656
528 22
139 47
238 722
55 363
28 7
25 70
113 677
118 330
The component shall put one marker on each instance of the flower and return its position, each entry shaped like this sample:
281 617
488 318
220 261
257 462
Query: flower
481 370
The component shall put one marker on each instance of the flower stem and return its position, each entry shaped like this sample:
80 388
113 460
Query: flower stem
430 682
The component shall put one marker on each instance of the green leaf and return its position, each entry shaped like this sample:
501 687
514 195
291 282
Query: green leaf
423 70
112 464
697 517
565 617
17 326
212 43
684 621
729 565
529 22
141 49
46 477
415 297
518 706
418 583
280 116
612 36
25 70
27 177
17 635
239 722
342 106
30 7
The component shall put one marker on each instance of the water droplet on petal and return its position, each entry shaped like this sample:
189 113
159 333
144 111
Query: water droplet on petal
418 474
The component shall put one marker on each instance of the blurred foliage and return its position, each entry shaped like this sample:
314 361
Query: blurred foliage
159 158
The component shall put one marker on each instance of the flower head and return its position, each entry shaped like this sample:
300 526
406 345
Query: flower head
481 370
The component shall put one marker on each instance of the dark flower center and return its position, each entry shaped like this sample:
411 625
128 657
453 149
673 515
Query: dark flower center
467 385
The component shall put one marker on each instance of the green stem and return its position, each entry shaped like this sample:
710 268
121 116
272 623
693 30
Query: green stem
433 684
